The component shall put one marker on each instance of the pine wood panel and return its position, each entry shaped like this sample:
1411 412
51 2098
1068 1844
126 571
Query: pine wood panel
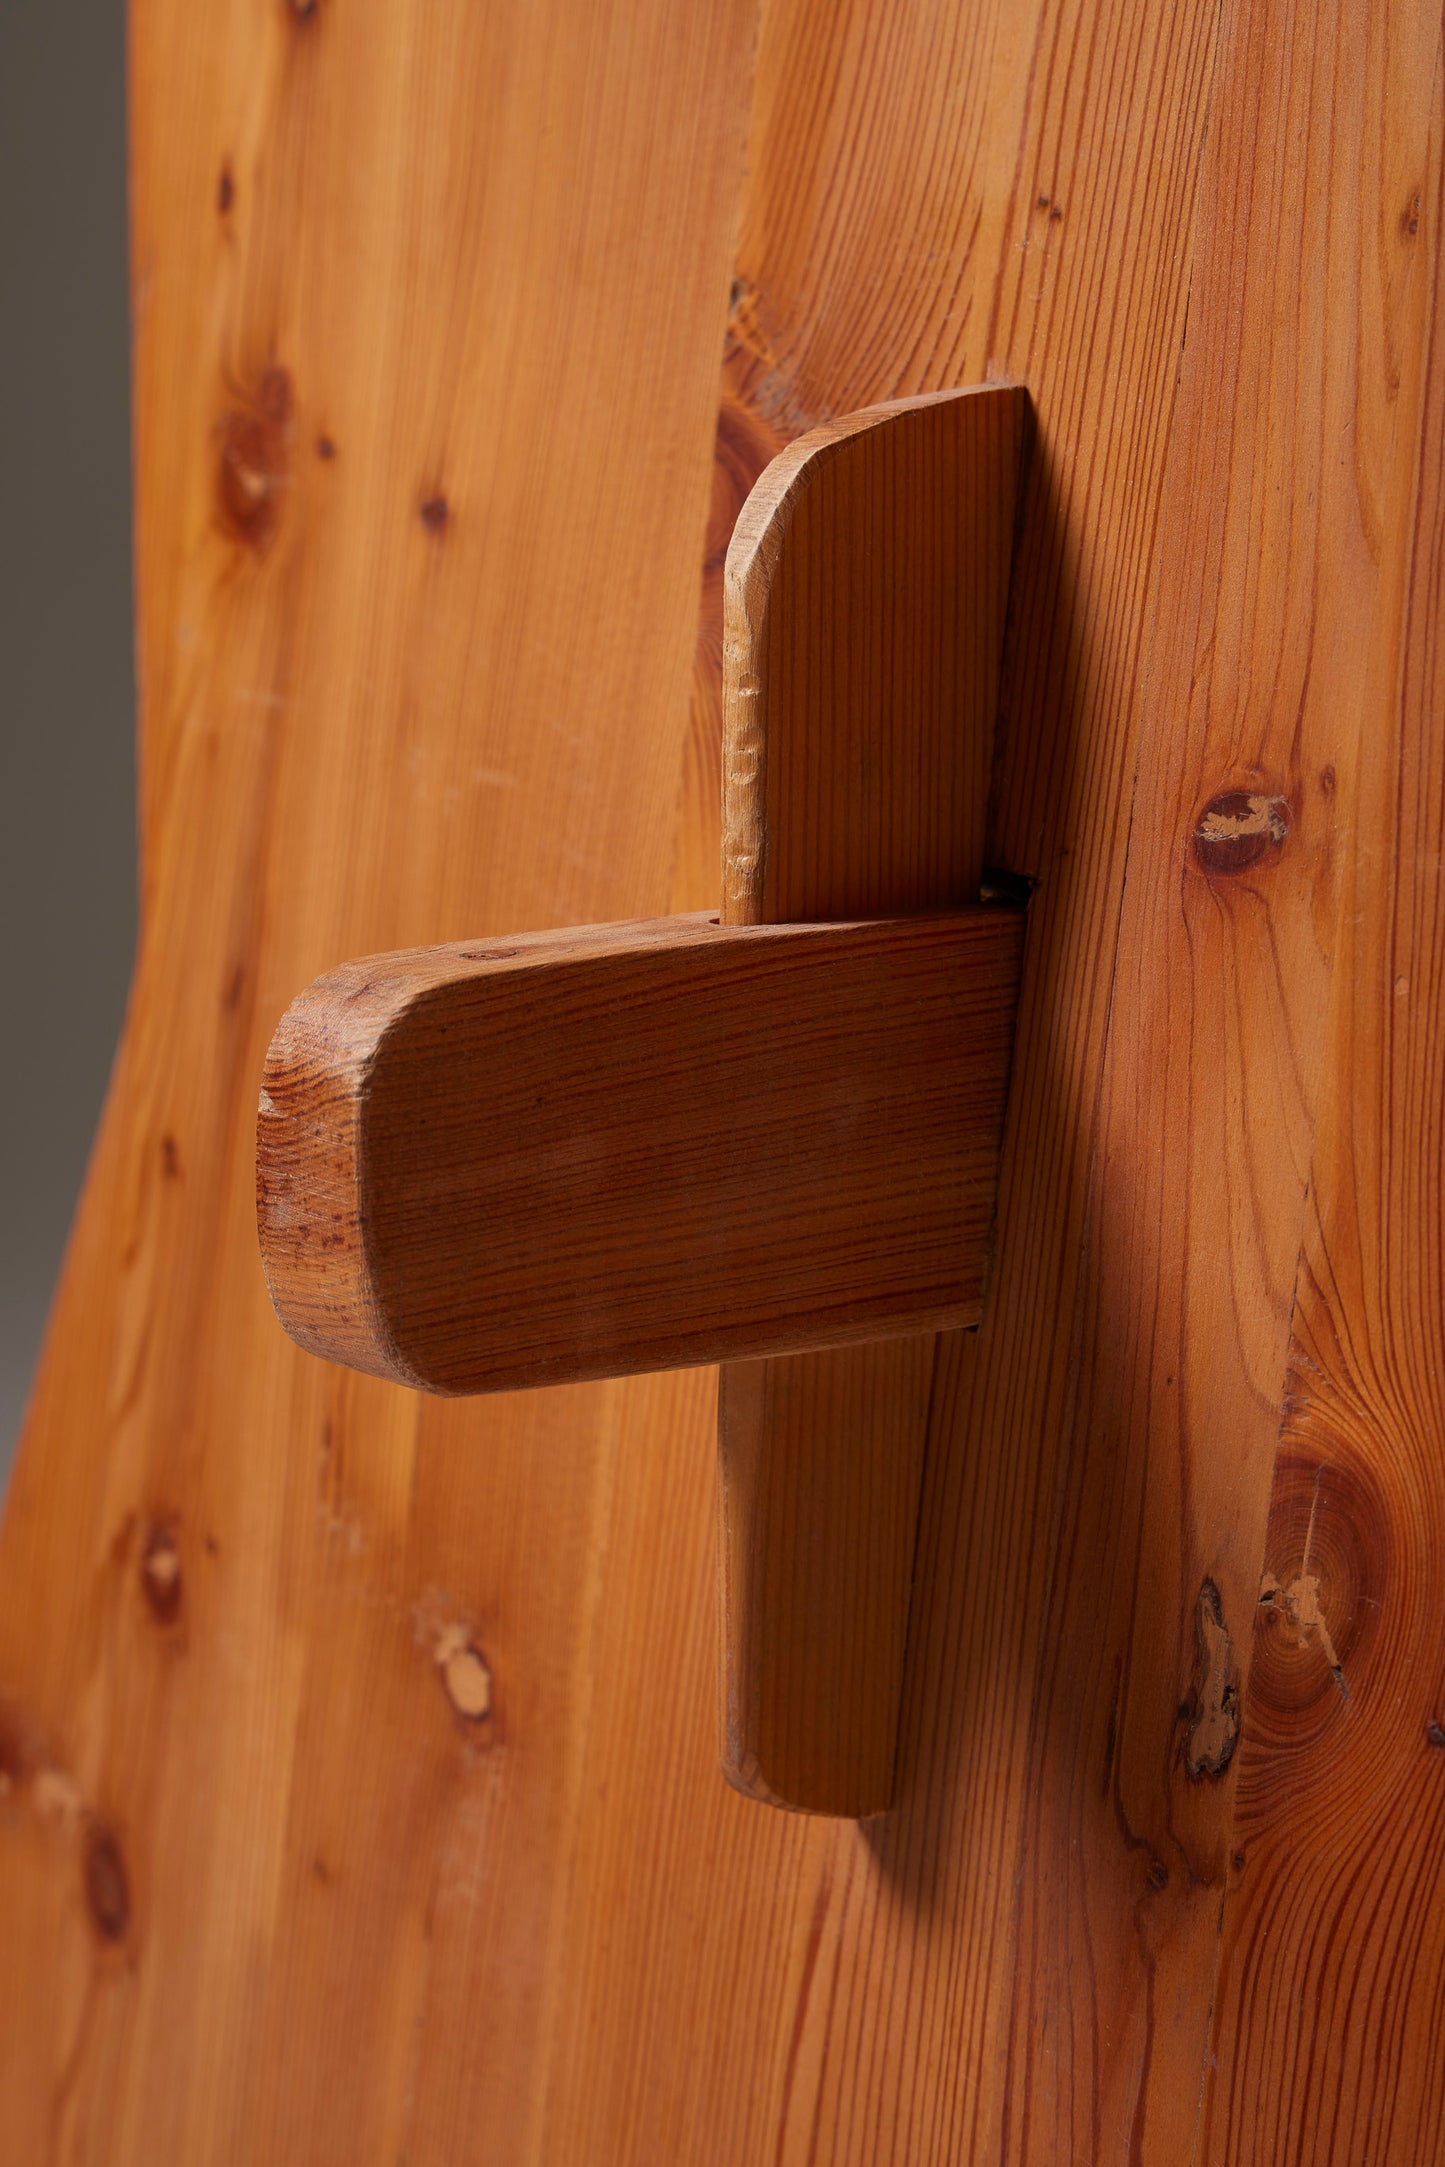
404 388
637 1147
1009 1966
1278 593
360 1789
1328 2030
882 2033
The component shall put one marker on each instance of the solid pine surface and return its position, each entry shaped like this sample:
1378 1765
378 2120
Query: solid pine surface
360 1797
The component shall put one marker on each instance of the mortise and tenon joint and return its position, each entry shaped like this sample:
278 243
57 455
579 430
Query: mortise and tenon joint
768 1139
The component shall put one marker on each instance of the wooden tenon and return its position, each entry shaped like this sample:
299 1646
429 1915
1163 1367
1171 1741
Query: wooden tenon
769 1140
638 1146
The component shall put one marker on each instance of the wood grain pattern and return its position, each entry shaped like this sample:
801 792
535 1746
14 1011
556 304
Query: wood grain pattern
1278 607
637 1147
885 2033
864 599
269 1890
1327 2039
1052 200
402 387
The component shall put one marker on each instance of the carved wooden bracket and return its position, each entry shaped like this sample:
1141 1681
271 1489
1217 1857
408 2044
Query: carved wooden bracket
769 1139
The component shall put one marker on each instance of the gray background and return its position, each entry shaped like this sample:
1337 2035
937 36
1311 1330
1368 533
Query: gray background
67 723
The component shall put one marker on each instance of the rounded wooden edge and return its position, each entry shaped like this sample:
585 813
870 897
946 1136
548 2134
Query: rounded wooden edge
311 1176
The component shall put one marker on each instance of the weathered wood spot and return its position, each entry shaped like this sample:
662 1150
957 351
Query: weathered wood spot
1237 828
1213 1708
464 1673
160 1572
107 1884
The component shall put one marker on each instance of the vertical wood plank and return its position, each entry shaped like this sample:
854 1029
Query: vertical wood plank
1279 592
875 2027
275 1894
427 314
865 595
1327 2039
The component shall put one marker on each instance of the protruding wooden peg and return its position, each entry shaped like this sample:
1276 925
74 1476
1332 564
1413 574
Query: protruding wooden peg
634 1147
